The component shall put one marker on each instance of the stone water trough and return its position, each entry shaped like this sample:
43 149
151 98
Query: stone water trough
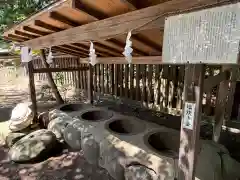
133 149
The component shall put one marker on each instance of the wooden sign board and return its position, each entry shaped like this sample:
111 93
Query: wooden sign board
209 36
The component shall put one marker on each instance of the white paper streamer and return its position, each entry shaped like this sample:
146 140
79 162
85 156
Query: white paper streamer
128 48
26 56
92 55
50 57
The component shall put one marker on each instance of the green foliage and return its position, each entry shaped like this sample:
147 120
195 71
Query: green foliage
14 11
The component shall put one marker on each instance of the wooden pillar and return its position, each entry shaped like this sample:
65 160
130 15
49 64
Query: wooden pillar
224 102
232 87
32 90
50 78
90 84
190 126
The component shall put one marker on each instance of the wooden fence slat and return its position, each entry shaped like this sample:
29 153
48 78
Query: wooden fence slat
82 78
107 74
116 71
166 87
112 79
102 78
99 79
121 79
95 78
126 79
150 87
138 82
131 81
86 78
144 89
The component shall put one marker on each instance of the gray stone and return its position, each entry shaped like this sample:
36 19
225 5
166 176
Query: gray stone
58 125
34 146
72 134
43 119
109 159
12 138
139 172
90 147
56 113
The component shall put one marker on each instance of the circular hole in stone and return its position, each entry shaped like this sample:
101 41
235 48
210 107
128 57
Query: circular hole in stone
71 107
126 126
164 142
96 115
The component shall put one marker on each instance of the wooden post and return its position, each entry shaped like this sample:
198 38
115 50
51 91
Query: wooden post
221 105
32 90
232 87
50 79
90 84
189 139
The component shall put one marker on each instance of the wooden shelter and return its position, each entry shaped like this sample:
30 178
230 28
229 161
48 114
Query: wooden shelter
68 26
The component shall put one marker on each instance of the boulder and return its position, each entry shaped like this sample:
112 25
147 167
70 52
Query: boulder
34 146
12 138
43 119
139 172
58 125
21 117
56 113
109 159
216 159
72 134
90 147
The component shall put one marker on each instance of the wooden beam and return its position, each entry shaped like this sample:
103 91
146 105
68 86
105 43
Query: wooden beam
130 4
66 51
47 26
35 31
122 60
104 16
78 5
73 49
56 16
69 69
32 90
27 35
147 42
12 39
191 118
213 81
147 18
20 38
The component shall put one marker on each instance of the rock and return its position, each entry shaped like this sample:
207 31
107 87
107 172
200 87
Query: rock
58 125
43 119
90 147
72 134
34 146
109 159
210 158
139 172
21 117
12 138
56 113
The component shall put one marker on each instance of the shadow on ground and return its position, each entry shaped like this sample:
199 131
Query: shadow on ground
68 165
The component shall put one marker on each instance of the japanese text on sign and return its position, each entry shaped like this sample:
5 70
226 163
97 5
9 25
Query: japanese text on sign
188 117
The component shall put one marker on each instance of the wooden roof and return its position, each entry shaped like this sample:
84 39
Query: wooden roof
69 25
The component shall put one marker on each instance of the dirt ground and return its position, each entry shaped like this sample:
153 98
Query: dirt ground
67 165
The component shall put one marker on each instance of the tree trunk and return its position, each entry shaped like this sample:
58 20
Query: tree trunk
50 78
